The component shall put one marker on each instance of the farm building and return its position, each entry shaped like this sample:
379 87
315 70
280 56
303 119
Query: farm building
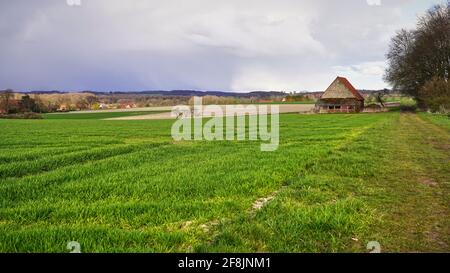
340 97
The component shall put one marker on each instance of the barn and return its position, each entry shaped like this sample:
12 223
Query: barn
340 97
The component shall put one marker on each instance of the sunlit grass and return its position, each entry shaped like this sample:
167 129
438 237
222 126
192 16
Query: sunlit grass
126 186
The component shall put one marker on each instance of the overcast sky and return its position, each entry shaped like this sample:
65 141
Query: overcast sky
229 45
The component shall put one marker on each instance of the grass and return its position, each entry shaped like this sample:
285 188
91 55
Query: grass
99 115
335 183
438 119
406 101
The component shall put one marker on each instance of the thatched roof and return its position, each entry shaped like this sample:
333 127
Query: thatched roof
341 88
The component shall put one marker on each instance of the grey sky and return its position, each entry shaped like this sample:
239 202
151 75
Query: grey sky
232 45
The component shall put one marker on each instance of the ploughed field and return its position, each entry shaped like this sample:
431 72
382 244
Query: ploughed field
335 183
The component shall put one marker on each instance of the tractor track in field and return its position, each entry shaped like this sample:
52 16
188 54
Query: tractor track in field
110 152
427 230
77 156
418 217
439 139
212 226
393 168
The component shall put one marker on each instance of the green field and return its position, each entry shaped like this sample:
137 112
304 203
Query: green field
440 120
98 115
335 183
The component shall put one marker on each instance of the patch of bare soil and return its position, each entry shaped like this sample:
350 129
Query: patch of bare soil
210 225
438 137
260 203
435 236
429 182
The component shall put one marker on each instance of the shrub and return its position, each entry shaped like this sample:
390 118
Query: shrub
28 115
435 95
408 108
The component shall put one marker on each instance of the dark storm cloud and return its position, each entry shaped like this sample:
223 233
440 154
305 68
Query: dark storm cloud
196 44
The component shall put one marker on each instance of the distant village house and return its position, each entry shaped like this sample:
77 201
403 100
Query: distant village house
103 106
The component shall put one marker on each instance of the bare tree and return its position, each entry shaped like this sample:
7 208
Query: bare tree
91 100
418 56
5 99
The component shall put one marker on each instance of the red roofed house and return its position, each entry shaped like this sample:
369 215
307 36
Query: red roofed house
340 97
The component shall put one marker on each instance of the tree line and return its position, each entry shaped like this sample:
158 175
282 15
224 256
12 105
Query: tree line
9 105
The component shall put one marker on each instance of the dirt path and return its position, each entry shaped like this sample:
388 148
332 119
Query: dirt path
416 196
